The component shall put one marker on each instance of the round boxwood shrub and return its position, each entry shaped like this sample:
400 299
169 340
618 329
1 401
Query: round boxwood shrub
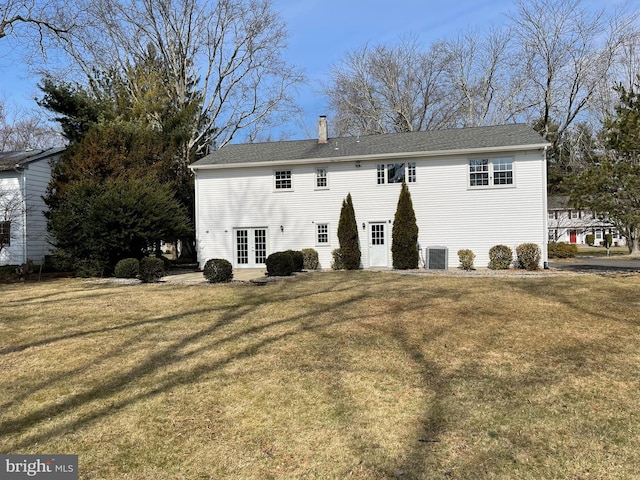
298 260
279 264
500 257
310 259
528 256
466 259
151 269
562 250
218 270
127 268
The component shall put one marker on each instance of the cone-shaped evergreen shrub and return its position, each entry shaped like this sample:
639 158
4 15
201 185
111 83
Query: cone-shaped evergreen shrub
404 246
348 236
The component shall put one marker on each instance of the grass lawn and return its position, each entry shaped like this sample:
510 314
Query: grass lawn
364 375
587 251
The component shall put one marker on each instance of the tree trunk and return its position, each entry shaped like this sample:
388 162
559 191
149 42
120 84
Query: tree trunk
634 241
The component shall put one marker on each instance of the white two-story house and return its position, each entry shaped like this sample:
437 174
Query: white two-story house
570 225
24 177
471 188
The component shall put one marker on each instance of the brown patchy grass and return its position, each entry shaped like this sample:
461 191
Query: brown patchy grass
364 375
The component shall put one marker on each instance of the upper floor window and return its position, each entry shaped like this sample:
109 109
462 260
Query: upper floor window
396 173
485 172
5 234
322 233
552 215
322 180
283 179
575 214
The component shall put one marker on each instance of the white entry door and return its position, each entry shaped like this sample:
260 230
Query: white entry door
378 251
250 247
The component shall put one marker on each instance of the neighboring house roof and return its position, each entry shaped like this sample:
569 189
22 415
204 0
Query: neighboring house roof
15 160
558 202
460 140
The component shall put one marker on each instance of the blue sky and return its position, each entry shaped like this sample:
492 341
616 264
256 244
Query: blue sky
321 32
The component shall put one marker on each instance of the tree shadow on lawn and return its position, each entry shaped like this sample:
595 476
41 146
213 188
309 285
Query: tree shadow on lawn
161 359
442 412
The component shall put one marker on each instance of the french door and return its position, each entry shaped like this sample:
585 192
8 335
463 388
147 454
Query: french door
250 247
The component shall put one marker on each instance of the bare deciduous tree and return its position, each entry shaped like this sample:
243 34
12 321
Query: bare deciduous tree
481 78
25 131
384 89
567 52
49 17
224 55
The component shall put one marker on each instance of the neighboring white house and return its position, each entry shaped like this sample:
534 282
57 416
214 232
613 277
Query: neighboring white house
570 225
471 188
24 177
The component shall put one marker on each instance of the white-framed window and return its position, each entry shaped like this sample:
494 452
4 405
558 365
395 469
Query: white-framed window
282 180
552 215
322 178
5 234
322 233
490 172
396 173
575 214
381 174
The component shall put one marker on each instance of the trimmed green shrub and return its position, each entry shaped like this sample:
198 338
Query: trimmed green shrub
608 240
298 260
404 244
310 259
529 255
279 264
127 268
562 250
466 259
590 239
338 262
151 269
500 257
348 236
218 270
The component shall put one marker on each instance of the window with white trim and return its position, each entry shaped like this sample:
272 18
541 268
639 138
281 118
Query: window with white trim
283 180
396 173
5 234
322 233
552 215
322 179
490 172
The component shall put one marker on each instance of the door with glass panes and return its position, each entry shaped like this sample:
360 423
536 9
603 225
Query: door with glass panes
378 249
250 250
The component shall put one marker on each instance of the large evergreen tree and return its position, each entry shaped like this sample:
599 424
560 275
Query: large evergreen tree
404 246
611 187
348 235
96 222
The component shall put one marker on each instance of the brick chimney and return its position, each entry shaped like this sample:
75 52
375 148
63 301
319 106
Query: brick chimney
323 136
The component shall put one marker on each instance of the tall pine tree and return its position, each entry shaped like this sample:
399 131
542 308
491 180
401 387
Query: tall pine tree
404 246
348 236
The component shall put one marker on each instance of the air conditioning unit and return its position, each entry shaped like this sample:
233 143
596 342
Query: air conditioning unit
437 258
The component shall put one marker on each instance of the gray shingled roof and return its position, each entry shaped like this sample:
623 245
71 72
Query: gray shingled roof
398 143
558 202
11 160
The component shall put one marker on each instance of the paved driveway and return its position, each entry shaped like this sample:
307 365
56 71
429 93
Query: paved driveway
597 264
